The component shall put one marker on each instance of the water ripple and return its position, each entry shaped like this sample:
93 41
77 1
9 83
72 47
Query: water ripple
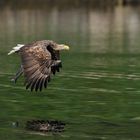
10 86
99 75
105 90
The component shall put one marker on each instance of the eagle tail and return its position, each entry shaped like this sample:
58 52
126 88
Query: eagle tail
16 49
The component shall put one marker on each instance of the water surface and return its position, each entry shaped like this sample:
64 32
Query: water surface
97 92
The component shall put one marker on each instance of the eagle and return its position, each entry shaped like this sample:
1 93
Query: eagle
39 60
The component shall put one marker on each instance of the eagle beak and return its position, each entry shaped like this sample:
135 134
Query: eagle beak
63 47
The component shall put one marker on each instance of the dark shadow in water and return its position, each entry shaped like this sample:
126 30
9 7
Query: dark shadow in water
45 125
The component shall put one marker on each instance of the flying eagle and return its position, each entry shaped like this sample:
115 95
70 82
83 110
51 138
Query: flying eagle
39 60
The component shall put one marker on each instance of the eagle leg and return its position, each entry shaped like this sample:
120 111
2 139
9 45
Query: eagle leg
18 74
57 63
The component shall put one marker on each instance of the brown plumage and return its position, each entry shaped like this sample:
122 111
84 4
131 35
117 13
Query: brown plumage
39 60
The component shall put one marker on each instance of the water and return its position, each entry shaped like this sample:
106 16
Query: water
97 92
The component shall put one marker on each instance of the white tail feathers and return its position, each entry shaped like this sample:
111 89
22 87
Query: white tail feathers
15 49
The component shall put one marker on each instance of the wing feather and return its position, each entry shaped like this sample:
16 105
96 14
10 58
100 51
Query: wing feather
36 63
46 82
33 84
37 84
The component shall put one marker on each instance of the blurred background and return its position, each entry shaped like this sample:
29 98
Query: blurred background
97 92
104 24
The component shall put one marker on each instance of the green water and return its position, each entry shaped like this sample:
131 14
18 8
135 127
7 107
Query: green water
97 92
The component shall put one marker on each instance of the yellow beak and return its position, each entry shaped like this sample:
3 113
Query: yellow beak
63 47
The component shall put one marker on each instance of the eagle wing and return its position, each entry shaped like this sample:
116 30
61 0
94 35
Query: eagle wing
36 62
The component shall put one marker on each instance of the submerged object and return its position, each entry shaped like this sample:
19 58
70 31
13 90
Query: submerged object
39 60
45 125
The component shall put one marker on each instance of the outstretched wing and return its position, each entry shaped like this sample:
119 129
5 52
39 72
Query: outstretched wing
36 62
